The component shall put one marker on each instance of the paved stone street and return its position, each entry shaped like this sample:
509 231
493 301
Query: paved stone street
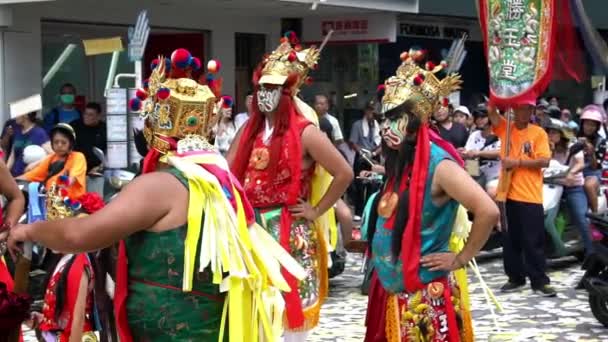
526 316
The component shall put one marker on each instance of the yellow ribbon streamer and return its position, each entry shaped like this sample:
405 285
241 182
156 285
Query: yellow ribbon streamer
254 305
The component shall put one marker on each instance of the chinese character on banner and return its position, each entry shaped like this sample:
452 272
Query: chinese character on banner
511 39
507 70
355 24
364 24
515 9
339 25
348 24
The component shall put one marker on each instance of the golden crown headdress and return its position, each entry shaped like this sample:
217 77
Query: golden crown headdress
420 86
59 206
176 106
289 59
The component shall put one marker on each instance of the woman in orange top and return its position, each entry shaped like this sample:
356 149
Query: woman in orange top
63 166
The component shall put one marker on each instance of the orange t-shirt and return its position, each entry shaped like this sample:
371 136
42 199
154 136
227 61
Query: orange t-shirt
529 143
75 168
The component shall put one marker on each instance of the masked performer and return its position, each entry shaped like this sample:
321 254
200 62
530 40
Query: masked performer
275 157
187 226
413 296
69 310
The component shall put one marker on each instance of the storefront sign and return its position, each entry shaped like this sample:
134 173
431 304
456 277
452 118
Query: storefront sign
381 28
102 46
439 30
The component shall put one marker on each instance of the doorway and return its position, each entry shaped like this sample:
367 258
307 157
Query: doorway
249 50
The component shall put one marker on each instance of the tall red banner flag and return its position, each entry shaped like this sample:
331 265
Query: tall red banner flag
522 48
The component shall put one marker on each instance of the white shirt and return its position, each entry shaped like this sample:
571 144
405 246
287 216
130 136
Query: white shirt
335 125
240 119
476 142
224 134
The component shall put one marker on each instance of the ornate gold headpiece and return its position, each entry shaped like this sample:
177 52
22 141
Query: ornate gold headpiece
174 105
289 59
419 85
58 205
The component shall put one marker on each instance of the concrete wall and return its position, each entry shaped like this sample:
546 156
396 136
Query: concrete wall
21 43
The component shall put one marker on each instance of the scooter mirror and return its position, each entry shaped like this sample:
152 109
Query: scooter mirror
100 155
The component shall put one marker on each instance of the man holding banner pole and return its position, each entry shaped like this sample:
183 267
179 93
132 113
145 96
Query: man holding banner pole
524 234
524 54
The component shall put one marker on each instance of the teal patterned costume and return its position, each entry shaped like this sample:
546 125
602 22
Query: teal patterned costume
435 233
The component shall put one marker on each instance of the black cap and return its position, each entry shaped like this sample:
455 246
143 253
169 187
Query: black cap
554 111
480 111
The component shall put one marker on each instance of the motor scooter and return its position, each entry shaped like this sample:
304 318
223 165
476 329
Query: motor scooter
595 279
563 238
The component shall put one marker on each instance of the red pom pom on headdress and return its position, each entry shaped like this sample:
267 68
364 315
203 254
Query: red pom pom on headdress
446 102
292 38
181 58
430 66
292 57
154 63
404 56
195 63
163 93
91 202
135 104
141 94
227 101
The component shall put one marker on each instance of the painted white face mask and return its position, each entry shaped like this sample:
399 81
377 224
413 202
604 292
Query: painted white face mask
268 99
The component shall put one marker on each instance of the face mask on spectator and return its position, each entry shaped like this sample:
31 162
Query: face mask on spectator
67 99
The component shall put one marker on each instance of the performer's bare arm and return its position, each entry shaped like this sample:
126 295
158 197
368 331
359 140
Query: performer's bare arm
319 147
153 202
79 310
10 190
452 181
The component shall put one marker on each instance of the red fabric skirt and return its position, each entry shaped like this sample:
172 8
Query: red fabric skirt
375 321
419 316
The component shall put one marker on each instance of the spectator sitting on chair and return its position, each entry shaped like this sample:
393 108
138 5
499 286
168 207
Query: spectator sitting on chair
27 133
90 133
463 116
66 112
64 162
484 147
566 117
453 132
